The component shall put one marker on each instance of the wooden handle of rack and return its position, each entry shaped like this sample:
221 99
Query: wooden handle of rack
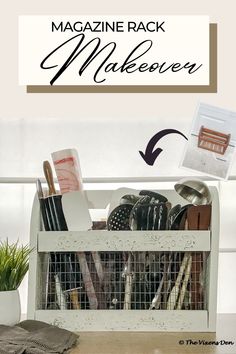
49 177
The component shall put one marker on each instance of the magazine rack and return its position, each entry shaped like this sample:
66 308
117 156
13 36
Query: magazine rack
109 241
213 141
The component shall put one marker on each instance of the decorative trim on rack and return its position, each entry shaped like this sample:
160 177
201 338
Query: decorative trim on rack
132 320
70 241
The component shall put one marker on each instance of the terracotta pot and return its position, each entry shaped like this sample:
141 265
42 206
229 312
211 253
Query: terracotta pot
10 308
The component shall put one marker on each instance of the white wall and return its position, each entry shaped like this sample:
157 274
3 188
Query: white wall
112 125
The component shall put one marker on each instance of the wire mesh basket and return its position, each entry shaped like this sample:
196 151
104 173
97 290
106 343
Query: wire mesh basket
125 281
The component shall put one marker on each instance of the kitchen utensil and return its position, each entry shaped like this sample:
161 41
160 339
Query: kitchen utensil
156 302
72 289
142 213
185 283
157 298
75 208
150 218
74 299
74 203
177 220
171 303
98 265
169 206
112 263
198 218
98 225
46 221
183 225
118 220
136 215
88 284
160 214
138 221
172 214
61 300
166 260
129 199
154 195
140 282
92 296
49 178
117 196
128 283
67 167
186 263
132 199
54 201
86 272
194 191
148 214
49 225
63 264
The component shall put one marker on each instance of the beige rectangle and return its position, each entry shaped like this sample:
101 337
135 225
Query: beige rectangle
211 88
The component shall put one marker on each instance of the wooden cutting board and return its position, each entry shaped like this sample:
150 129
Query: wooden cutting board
198 218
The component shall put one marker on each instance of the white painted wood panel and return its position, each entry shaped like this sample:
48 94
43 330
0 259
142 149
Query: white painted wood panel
124 241
126 320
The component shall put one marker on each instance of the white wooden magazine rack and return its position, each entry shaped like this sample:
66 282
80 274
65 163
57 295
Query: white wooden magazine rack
122 320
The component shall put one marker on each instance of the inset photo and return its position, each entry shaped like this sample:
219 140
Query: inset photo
211 143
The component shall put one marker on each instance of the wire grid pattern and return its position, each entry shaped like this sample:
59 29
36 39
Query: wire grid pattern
123 280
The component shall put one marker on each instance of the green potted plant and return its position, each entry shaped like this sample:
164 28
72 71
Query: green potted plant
14 264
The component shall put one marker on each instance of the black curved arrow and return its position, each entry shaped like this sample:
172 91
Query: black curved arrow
150 154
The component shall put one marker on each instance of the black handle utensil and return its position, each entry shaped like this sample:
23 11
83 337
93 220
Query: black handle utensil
53 201
149 214
129 199
136 220
155 195
172 214
62 261
160 215
118 220
49 225
147 211
45 217
177 220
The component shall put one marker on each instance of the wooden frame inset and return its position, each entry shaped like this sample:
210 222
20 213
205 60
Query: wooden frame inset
212 140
